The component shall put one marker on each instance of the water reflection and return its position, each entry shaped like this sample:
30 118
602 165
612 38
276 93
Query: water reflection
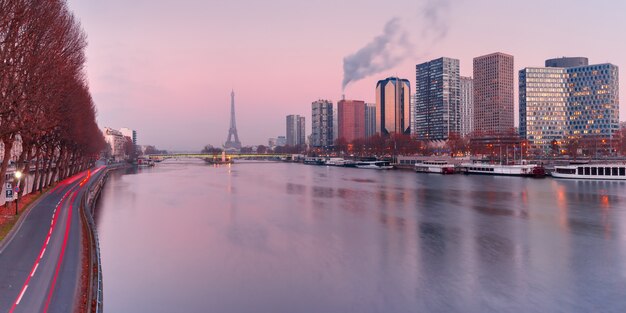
277 237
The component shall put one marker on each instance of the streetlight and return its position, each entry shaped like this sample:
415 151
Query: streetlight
18 175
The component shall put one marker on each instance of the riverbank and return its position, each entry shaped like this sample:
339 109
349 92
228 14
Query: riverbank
91 267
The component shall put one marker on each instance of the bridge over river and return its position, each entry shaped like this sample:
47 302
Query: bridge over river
228 156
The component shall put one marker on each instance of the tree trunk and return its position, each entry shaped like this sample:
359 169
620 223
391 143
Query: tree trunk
25 162
57 165
37 175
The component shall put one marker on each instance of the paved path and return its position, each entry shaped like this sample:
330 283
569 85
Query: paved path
40 265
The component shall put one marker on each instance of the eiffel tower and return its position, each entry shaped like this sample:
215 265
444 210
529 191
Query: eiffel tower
231 145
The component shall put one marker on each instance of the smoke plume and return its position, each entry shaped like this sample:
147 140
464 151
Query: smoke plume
393 46
383 52
435 14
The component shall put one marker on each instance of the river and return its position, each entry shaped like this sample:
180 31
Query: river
277 237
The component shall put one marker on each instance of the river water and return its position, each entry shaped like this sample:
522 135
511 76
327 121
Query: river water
278 237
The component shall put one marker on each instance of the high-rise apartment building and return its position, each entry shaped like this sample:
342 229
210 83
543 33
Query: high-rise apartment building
543 94
370 119
437 99
467 105
295 130
561 102
322 123
393 98
493 94
351 119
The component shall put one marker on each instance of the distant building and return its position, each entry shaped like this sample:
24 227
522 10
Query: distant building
335 125
437 99
493 94
543 94
116 141
281 141
16 150
393 98
322 123
593 100
127 132
295 130
467 105
561 102
351 119
370 119
567 62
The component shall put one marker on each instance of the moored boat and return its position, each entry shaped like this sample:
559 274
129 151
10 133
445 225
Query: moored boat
340 162
374 165
527 170
440 167
613 171
314 161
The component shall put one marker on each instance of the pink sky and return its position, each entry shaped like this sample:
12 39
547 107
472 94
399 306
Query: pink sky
166 68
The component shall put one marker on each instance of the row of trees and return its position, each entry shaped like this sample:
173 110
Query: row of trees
45 103
475 144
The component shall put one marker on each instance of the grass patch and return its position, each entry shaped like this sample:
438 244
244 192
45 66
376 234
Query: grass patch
7 211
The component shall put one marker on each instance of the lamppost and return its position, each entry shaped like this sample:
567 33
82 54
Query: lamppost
18 176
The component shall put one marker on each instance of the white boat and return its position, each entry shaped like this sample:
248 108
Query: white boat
339 162
440 167
614 171
529 170
374 165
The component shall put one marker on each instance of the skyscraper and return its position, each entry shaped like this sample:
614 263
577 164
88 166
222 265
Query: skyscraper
467 105
437 99
561 102
370 119
493 94
392 106
351 119
322 123
543 106
295 130
593 100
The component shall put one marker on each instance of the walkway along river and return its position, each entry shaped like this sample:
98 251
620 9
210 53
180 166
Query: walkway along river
278 237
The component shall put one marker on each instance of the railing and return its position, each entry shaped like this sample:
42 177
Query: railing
95 292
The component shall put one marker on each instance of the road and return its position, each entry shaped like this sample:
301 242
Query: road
40 264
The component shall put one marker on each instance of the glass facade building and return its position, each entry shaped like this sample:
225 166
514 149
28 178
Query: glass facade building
370 119
558 103
593 100
543 106
393 106
295 130
322 123
437 99
467 105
